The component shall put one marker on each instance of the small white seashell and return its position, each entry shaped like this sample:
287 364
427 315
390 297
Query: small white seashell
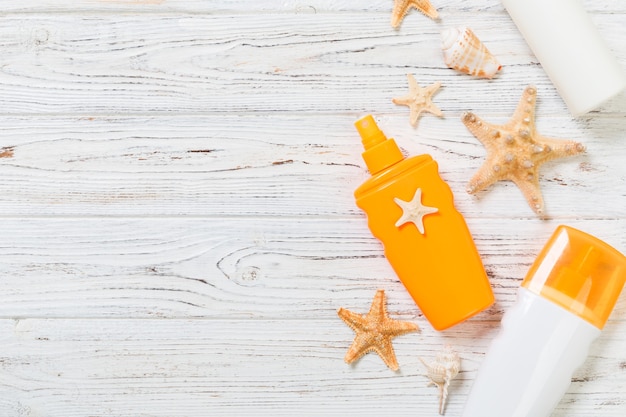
463 51
444 369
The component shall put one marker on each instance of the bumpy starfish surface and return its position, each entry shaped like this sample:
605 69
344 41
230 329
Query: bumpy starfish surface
419 99
374 331
414 211
515 150
401 8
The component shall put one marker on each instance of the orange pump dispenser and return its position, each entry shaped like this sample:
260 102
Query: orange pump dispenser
410 209
580 273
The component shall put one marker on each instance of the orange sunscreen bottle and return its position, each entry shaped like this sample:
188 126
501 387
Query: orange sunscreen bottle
410 209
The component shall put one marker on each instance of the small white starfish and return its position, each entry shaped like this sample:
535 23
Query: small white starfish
414 211
419 100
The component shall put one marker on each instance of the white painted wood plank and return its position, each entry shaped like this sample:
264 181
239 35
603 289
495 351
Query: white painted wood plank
135 63
280 165
260 267
251 6
66 368
249 249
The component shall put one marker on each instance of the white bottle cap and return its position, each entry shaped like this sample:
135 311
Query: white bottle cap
568 46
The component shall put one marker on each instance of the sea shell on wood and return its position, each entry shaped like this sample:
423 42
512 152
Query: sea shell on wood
441 371
463 51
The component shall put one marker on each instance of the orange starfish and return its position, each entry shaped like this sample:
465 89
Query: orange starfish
419 99
401 8
374 331
515 150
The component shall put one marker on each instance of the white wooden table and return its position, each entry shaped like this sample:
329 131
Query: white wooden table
178 226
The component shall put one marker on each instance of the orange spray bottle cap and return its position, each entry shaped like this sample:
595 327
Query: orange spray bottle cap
580 273
380 152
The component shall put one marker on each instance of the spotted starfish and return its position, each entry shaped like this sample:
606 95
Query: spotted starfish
401 8
515 150
414 211
374 331
419 100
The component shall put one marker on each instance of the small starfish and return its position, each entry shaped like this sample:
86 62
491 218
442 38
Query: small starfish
515 150
419 99
401 8
414 211
374 331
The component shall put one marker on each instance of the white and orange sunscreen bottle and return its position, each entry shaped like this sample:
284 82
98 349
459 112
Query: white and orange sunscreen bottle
562 306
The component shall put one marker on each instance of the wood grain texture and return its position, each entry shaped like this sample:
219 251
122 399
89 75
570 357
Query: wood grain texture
277 165
252 6
117 64
257 267
178 225
163 368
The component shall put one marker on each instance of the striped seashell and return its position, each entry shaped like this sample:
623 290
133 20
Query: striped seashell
441 371
463 51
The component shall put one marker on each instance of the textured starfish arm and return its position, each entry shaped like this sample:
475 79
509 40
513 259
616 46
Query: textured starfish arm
401 8
531 191
386 352
415 114
483 131
413 85
426 8
354 320
403 101
558 148
525 110
397 327
434 110
483 178
433 87
365 343
378 310
361 345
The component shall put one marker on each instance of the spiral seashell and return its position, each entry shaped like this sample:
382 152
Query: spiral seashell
463 51
441 371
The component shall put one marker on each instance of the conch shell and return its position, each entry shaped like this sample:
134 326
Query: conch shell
463 51
444 369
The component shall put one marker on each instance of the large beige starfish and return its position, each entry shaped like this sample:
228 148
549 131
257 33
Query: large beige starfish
515 150
419 99
374 331
401 8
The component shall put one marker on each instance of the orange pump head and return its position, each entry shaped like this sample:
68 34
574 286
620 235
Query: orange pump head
580 273
380 152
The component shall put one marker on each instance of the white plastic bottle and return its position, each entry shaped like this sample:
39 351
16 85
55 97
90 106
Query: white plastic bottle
570 49
562 306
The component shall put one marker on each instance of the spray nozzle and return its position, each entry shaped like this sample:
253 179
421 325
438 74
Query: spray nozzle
371 135
380 152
